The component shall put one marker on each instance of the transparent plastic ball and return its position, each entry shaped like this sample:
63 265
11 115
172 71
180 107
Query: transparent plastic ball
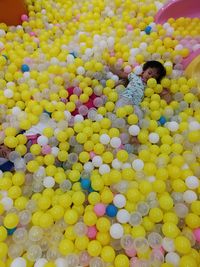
35 233
34 252
143 208
141 244
155 240
15 250
127 242
135 219
25 217
80 229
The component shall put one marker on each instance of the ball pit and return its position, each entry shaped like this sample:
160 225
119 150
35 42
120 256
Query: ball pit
89 184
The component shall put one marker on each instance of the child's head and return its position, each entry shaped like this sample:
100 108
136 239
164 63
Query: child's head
153 69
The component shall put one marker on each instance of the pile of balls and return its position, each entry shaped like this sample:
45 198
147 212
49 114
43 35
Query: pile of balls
92 185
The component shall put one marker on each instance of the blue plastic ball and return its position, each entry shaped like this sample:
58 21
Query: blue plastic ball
162 120
25 68
11 231
148 29
111 210
85 183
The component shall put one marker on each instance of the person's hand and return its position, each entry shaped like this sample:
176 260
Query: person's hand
134 140
123 82
4 151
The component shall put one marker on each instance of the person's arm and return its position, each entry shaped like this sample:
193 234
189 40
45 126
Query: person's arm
121 74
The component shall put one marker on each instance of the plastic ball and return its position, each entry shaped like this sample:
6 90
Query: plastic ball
116 231
99 209
134 130
18 262
154 138
11 220
111 210
123 216
25 68
119 201
148 29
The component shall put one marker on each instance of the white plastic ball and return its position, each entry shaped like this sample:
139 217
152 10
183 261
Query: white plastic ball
42 140
67 115
1 46
168 244
119 201
134 52
178 47
134 130
138 164
115 142
78 118
115 78
172 126
138 70
154 138
16 110
40 263
88 167
189 196
97 161
70 58
80 70
8 93
54 151
123 216
104 139
172 258
126 166
116 231
194 126
116 164
7 203
192 182
104 168
18 262
48 182
60 262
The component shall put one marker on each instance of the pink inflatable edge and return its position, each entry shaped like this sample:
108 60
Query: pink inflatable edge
178 8
186 61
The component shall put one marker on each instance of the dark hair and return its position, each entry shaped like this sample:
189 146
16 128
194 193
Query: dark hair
156 65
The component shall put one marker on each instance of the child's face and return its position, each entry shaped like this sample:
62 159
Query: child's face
150 73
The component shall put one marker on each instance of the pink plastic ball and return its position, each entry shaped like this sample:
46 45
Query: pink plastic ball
77 91
24 17
46 150
99 209
196 233
32 34
129 27
83 110
131 252
92 232
112 54
98 102
92 154
120 61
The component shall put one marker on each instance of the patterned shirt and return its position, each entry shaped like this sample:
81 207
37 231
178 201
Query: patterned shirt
135 89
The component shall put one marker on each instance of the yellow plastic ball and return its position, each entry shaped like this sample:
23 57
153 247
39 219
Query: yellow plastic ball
90 218
66 247
121 260
108 254
94 248
170 230
71 216
11 220
182 245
